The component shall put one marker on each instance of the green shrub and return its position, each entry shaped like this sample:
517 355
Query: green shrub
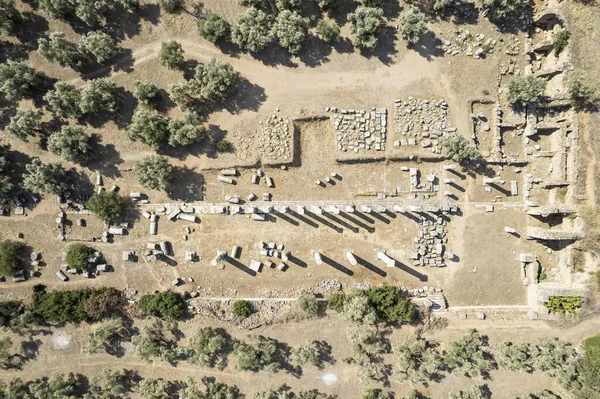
242 308
107 205
223 145
154 172
11 257
564 304
524 90
63 306
171 6
213 27
336 301
307 302
561 40
146 93
171 54
390 304
166 304
78 255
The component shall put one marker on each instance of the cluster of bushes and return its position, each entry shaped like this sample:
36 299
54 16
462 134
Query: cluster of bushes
11 257
90 12
64 306
385 303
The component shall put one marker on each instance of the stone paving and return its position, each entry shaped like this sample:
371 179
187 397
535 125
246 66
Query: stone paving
360 130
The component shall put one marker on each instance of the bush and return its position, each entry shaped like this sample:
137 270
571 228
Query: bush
78 255
364 23
64 100
252 30
25 123
189 130
357 308
307 302
223 145
460 149
582 92
146 93
213 27
445 7
561 40
156 341
149 127
56 47
564 304
105 305
11 259
291 29
329 32
45 178
63 306
413 24
500 10
106 338
171 6
524 90
475 392
106 205
215 80
5 169
171 54
100 95
90 11
166 304
71 143
18 80
98 45
336 301
154 172
390 304
242 308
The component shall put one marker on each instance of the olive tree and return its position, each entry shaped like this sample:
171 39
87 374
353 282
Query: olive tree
357 308
524 90
582 91
413 24
208 346
460 149
107 205
146 93
364 23
187 131
474 392
329 32
260 353
328 4
154 172
8 13
155 341
291 29
307 302
5 169
57 8
418 360
149 127
56 47
215 80
159 388
90 11
99 45
64 99
213 27
71 143
45 178
500 10
171 54
309 353
100 95
25 123
78 255
466 356
252 30
18 80
105 337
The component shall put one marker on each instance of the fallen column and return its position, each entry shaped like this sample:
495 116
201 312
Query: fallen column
220 256
385 258
318 258
350 256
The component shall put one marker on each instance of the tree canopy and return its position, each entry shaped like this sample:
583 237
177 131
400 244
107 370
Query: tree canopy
71 143
149 127
292 30
413 24
42 178
107 205
165 304
11 258
18 80
213 27
154 172
364 24
524 90
252 30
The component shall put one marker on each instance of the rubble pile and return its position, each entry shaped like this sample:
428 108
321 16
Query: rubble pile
274 142
421 121
358 130
430 250
328 287
478 46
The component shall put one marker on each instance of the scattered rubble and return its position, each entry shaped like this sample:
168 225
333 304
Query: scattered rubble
358 130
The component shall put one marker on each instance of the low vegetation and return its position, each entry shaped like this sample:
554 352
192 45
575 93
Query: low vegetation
106 205
166 304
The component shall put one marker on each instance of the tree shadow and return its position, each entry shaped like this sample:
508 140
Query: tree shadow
29 28
274 55
315 52
344 46
13 51
429 46
106 158
249 96
187 185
